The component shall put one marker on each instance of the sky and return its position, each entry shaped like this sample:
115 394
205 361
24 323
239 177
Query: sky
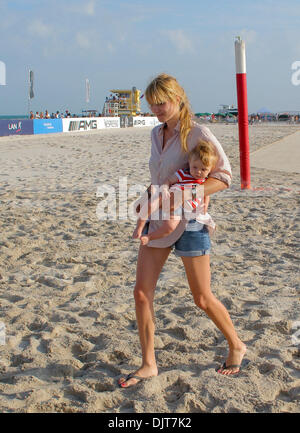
126 43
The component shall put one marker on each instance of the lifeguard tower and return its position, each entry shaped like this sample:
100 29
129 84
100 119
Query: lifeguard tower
122 103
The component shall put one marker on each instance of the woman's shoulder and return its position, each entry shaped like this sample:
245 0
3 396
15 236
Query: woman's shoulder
200 130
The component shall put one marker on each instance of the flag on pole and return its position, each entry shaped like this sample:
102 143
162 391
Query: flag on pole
2 74
87 90
31 78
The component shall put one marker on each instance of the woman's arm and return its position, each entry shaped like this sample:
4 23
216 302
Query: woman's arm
170 180
203 191
145 196
212 185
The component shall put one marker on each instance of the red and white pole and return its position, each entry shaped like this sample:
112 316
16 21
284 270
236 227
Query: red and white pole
241 85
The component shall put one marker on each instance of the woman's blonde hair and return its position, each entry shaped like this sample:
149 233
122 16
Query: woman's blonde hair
206 152
166 88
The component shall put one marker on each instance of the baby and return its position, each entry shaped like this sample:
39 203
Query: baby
202 159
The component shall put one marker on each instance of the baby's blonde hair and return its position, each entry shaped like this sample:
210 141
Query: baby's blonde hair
166 88
206 152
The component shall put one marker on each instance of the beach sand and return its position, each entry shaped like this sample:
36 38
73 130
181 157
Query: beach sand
67 279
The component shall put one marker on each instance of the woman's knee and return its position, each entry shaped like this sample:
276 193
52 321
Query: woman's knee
142 295
204 301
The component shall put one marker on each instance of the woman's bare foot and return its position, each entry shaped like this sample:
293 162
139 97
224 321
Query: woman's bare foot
234 358
143 372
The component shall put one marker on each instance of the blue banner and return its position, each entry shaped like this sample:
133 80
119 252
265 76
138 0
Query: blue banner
16 127
47 126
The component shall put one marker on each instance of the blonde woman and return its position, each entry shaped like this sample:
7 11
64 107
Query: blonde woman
171 142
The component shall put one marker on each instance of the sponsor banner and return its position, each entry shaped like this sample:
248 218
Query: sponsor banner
47 126
75 124
89 123
16 127
109 122
139 121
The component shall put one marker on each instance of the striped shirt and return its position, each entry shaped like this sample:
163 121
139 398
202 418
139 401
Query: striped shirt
186 180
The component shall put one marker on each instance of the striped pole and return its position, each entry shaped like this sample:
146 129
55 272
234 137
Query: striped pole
241 85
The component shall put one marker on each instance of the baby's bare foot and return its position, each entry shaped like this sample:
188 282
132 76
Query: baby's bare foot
144 240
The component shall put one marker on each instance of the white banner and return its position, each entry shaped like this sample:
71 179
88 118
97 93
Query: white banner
139 121
108 122
79 124
92 123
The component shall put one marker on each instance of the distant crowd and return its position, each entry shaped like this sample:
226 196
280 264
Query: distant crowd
253 118
257 118
47 115
66 114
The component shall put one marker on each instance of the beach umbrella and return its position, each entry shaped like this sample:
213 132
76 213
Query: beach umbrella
202 114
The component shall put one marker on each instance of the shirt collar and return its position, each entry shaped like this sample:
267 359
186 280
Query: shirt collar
163 125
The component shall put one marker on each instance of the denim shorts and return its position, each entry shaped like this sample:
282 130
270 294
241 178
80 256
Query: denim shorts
194 241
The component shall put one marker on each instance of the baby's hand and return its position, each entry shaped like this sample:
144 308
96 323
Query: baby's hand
165 193
206 203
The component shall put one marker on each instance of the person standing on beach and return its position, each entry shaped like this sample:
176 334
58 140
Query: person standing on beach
171 141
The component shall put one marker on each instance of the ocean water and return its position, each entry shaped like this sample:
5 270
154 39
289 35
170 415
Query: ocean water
14 116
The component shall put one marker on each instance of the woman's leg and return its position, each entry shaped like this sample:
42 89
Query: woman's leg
198 273
149 265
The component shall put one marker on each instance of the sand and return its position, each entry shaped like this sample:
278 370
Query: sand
284 154
67 280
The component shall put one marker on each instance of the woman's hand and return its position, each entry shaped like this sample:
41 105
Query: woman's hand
136 234
144 198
